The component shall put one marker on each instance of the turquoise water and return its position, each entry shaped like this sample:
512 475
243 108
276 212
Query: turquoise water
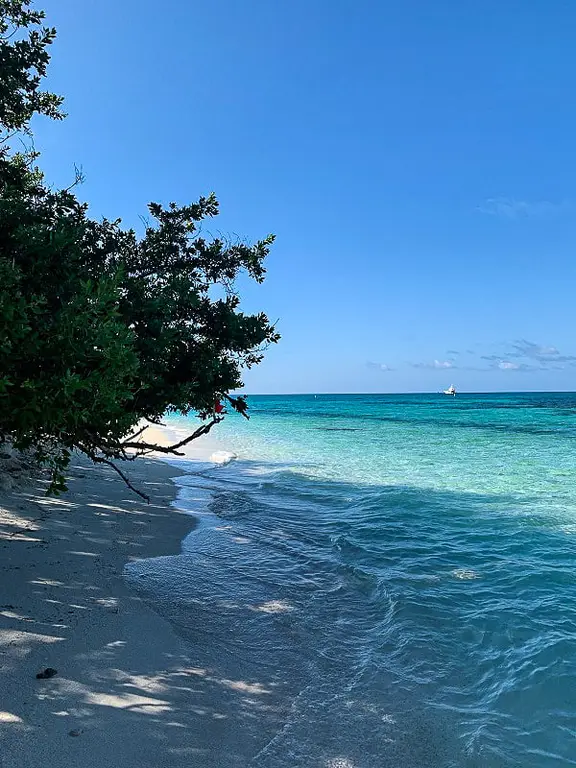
396 575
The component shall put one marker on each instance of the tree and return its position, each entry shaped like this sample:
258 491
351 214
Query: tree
100 328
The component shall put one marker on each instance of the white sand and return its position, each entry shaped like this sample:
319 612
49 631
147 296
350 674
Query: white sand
128 692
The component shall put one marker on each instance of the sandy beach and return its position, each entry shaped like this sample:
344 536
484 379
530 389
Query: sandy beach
128 691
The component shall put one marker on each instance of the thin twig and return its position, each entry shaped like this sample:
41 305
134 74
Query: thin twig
137 434
239 410
102 460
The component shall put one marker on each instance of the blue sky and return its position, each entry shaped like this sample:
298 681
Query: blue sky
415 160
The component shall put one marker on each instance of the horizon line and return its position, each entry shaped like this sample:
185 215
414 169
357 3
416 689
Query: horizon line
416 392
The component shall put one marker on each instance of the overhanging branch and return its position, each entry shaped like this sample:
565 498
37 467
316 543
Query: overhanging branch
103 454
102 460
143 447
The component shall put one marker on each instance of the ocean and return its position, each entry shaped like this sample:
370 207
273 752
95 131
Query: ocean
385 580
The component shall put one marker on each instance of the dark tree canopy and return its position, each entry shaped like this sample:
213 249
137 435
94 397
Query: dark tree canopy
101 328
24 58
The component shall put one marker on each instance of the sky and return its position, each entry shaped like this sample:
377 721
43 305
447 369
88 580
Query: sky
415 159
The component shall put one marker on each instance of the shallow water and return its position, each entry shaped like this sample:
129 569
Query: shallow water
393 578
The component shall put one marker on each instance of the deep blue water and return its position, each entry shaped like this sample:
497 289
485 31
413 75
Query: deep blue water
394 573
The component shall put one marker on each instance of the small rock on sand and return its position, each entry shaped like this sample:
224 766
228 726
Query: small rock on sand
47 673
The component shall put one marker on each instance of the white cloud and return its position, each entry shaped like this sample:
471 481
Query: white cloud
511 208
523 355
508 365
543 354
437 364
379 366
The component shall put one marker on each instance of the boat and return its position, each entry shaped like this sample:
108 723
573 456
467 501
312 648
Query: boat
450 391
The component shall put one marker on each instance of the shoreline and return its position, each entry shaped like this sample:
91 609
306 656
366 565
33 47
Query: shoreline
127 691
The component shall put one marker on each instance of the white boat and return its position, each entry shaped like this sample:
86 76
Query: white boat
450 391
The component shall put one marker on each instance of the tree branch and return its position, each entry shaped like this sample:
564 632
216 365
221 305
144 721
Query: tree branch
142 448
173 449
137 434
234 404
102 460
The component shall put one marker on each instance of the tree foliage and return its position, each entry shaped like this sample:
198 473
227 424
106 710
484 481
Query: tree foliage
101 328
